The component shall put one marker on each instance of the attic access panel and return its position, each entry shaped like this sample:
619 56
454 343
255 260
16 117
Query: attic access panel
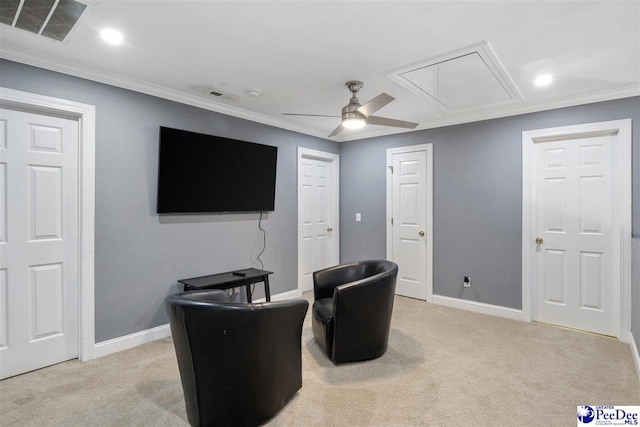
465 79
53 19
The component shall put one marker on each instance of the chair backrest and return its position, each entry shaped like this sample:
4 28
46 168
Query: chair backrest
238 362
327 279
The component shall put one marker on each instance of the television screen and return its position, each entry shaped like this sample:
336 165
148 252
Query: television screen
205 173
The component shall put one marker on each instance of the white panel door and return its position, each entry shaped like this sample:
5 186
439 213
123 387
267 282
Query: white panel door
38 241
317 234
577 246
409 222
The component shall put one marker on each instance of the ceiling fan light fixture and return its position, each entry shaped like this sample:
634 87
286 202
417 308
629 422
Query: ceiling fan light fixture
354 123
356 116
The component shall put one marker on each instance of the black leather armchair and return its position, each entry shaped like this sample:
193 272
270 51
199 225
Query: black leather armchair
239 363
352 309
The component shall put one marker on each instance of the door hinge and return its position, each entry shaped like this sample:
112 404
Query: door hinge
390 168
391 221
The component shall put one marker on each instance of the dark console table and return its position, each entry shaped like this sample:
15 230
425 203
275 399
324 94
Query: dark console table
230 279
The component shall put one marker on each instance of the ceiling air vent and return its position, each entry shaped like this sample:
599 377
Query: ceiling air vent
222 95
53 19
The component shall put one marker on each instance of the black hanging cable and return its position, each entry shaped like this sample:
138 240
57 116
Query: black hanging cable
264 241
264 246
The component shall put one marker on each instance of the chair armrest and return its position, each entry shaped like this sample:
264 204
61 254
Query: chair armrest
204 296
323 284
326 280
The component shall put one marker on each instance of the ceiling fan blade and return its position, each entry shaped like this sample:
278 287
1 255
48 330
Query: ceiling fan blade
307 115
375 104
383 121
336 130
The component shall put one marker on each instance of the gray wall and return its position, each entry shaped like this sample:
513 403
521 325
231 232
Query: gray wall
140 255
477 198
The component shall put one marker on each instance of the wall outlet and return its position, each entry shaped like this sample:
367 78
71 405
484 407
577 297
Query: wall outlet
467 282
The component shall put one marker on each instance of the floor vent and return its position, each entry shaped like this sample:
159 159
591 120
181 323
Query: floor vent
53 19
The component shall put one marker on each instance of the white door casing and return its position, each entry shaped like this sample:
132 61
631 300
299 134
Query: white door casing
39 252
577 199
318 228
83 117
410 218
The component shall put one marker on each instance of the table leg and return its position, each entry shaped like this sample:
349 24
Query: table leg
267 293
248 288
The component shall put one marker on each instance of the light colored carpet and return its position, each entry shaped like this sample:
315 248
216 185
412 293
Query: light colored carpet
444 367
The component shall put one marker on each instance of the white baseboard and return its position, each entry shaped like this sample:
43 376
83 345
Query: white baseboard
132 340
138 338
636 356
478 307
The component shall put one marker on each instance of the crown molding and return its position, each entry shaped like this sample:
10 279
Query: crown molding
76 70
516 109
512 109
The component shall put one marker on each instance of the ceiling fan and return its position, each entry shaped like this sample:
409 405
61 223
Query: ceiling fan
356 116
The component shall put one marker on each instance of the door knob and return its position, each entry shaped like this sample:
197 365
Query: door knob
329 229
421 234
539 240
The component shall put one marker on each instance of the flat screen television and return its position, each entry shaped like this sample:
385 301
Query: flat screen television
205 173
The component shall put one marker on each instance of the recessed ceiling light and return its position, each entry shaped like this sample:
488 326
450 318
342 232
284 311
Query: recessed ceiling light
111 36
543 80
